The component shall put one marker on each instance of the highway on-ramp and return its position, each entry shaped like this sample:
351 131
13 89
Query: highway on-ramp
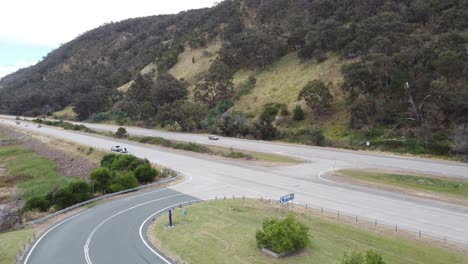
210 177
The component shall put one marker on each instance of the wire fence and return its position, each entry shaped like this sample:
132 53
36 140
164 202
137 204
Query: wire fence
373 225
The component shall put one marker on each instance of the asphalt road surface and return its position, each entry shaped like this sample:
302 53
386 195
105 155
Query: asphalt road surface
208 177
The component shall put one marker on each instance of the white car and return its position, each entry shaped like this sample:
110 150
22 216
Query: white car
213 137
116 148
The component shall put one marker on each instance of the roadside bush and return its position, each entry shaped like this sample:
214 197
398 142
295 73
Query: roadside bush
75 192
40 203
317 138
108 159
371 257
101 178
145 173
123 162
298 113
283 235
121 132
194 147
124 181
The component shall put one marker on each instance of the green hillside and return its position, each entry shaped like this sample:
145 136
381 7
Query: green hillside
321 72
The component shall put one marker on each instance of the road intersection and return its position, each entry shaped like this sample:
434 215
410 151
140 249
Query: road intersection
207 178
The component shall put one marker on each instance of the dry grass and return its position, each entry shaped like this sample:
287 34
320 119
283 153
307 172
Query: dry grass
67 113
125 87
191 72
283 80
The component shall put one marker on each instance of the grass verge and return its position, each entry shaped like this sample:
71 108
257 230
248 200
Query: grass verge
34 175
224 232
217 151
430 184
11 243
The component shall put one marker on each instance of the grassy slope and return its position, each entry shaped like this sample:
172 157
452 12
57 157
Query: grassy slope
421 183
11 243
283 81
224 232
66 113
32 174
189 71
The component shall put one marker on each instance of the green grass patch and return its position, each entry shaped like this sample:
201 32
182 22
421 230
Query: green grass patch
11 243
224 232
34 175
422 183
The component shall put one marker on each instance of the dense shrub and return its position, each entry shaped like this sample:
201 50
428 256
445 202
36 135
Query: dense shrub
108 159
121 132
101 178
317 138
124 181
298 113
283 235
40 203
73 193
145 173
123 162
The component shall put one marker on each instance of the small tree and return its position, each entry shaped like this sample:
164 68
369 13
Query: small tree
121 132
298 113
124 181
108 159
73 193
101 178
40 203
283 235
317 96
125 163
145 173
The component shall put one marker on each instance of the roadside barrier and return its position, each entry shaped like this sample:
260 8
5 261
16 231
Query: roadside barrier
19 257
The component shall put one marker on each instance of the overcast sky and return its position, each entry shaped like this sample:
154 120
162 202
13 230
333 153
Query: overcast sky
29 29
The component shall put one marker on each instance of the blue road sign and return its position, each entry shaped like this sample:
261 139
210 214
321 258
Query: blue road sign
287 198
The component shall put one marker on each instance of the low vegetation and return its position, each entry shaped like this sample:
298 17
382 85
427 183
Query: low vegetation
117 173
430 184
63 124
11 242
218 151
32 174
224 232
283 235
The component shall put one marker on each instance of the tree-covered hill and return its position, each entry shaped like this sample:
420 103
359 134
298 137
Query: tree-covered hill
393 72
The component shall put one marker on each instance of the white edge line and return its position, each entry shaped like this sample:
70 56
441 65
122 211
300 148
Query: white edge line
147 219
43 235
88 241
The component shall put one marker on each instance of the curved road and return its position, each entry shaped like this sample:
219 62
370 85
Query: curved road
209 177
107 233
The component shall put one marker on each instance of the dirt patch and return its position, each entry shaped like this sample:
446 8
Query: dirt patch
68 164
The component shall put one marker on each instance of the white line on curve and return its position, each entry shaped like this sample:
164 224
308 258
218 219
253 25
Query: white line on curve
88 241
141 230
43 235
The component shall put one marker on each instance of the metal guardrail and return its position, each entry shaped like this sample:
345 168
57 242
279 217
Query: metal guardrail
40 220
20 255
